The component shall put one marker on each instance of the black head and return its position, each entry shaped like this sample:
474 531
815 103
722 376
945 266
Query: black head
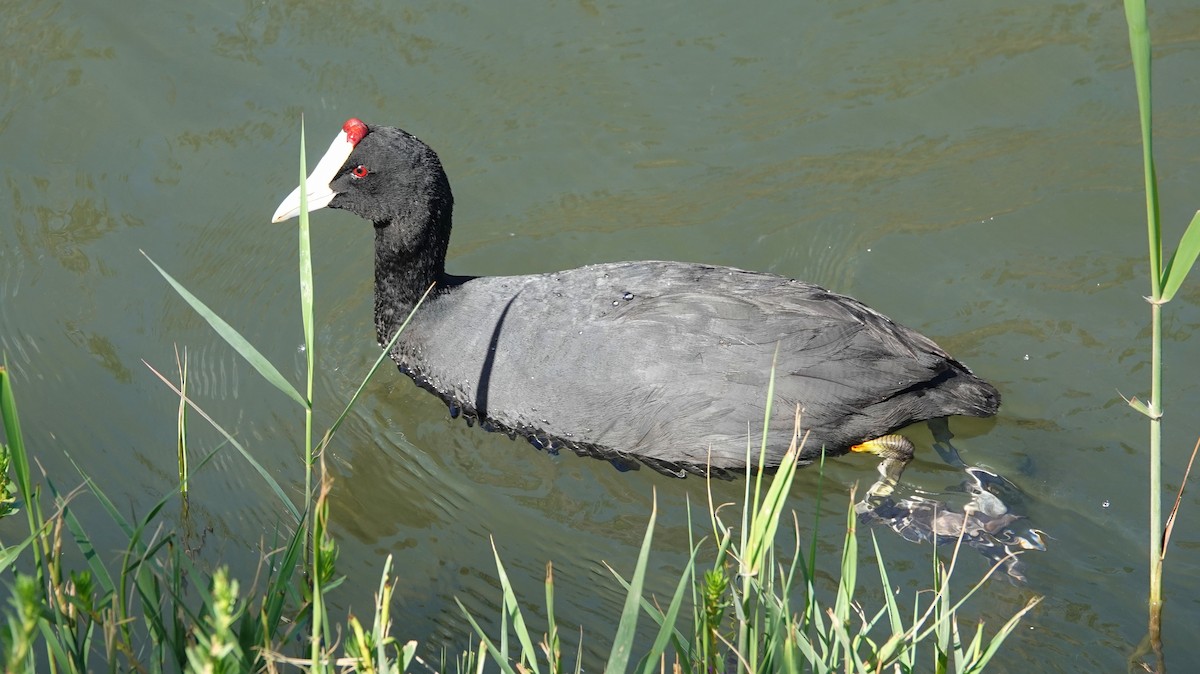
380 173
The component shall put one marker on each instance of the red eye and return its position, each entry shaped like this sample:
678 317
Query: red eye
360 171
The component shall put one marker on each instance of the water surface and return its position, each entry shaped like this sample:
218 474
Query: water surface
971 169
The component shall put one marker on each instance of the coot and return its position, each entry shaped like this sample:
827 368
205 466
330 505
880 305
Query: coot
663 363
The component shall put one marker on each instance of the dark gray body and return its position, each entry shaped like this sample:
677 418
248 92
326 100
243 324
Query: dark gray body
665 361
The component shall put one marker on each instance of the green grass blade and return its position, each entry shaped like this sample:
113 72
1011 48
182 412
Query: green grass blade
766 519
114 513
181 428
1182 260
504 635
893 646
306 272
485 641
762 449
84 543
54 646
842 606
137 531
279 592
152 601
579 656
134 551
666 628
1139 48
790 579
973 650
9 554
810 569
618 658
1004 631
237 445
406 655
19 457
233 338
12 424
383 355
552 645
513 610
666 621
306 315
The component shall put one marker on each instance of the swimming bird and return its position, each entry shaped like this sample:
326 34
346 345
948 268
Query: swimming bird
660 363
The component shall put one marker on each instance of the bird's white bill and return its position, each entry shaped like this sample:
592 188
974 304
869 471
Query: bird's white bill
319 194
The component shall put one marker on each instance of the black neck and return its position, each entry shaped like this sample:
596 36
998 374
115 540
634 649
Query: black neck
410 255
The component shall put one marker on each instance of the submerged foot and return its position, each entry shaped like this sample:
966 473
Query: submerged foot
985 522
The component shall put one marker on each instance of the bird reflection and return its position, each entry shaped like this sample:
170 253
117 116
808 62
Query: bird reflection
984 522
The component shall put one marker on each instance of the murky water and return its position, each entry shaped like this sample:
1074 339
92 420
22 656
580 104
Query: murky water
971 169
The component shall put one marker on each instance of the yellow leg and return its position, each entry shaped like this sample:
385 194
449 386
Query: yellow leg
896 452
888 447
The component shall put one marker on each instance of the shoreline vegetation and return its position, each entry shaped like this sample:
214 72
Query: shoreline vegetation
737 607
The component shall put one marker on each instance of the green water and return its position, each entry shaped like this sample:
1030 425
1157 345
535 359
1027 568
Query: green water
971 169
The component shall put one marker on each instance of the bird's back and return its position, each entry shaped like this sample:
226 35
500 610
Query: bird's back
665 362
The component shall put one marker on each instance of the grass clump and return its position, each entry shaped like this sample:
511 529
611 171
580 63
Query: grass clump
742 617
152 610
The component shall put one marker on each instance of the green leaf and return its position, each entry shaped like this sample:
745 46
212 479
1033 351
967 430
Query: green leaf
99 572
618 658
406 655
306 272
893 646
275 601
1007 629
1182 260
53 640
266 476
9 554
306 313
666 627
843 605
667 622
762 449
383 355
233 338
513 610
18 455
1141 407
1139 48
553 654
766 519
485 641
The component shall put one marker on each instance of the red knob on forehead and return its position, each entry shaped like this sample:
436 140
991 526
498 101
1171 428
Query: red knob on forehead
355 130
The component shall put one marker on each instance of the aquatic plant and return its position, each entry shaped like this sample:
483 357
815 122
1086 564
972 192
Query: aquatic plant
1165 281
742 619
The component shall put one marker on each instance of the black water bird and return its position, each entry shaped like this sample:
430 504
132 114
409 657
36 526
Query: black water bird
662 363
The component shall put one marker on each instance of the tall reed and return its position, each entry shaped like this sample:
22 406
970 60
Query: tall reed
1164 283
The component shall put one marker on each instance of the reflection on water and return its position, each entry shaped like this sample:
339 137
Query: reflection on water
985 523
